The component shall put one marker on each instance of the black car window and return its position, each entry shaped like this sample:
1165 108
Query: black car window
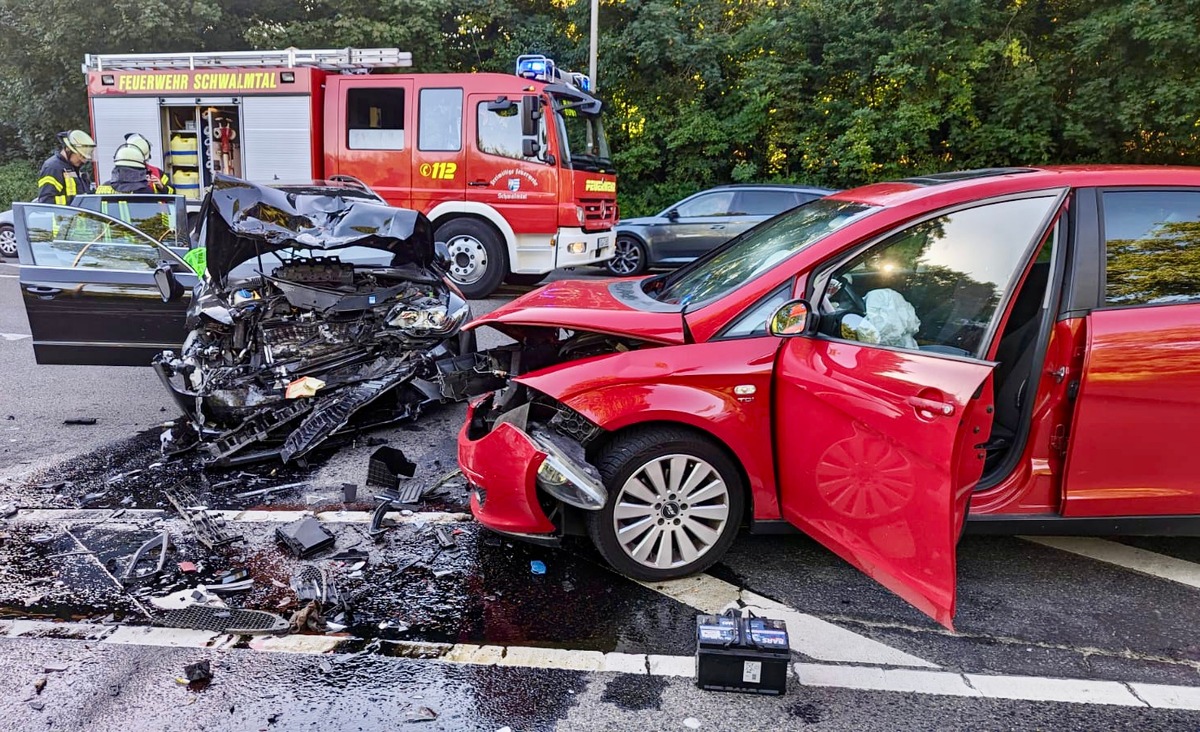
765 203
375 119
936 285
708 204
1151 247
62 237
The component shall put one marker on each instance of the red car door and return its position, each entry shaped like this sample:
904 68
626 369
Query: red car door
1139 393
877 459
882 412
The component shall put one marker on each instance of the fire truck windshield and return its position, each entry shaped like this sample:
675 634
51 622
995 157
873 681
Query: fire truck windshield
583 141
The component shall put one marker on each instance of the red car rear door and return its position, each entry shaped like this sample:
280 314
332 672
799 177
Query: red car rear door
880 419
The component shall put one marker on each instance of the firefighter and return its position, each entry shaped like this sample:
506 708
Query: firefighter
158 178
129 173
60 179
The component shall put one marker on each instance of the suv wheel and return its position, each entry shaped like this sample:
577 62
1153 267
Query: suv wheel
8 241
478 261
674 506
629 257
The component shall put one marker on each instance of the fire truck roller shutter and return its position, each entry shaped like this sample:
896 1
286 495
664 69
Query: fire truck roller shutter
276 138
115 117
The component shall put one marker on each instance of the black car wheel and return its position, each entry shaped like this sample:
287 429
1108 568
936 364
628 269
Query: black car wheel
478 261
674 506
629 257
8 241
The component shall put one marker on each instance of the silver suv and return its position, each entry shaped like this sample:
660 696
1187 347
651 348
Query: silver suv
700 222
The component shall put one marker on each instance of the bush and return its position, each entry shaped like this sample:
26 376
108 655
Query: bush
18 182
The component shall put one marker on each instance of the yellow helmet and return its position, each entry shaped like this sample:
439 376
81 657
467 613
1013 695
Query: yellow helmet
141 143
80 143
129 156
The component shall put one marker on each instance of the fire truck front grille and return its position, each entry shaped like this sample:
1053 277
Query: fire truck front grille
598 211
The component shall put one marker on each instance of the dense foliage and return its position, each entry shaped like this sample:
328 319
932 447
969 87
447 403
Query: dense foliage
834 92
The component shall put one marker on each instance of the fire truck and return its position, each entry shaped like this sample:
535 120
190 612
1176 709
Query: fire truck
513 170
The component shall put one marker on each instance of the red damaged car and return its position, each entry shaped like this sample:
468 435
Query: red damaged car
1006 350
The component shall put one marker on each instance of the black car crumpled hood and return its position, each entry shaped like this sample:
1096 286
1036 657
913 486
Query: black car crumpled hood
243 219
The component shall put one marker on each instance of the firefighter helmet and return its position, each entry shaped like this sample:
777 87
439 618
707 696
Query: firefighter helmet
80 143
140 142
129 156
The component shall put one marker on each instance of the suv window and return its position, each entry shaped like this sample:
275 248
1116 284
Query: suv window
77 238
375 118
708 204
1151 247
440 126
765 203
936 285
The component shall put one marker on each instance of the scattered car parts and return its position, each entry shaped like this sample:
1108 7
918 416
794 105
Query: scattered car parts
132 574
305 537
205 528
221 620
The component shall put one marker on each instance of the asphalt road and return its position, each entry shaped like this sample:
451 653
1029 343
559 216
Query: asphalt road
468 637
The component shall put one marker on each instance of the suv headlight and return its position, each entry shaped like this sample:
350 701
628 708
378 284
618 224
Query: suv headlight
430 321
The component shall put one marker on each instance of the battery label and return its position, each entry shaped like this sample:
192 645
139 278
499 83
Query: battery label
752 672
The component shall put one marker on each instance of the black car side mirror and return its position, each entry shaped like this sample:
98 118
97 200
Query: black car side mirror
168 286
673 214
793 318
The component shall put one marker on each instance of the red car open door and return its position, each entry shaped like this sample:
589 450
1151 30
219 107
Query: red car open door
877 458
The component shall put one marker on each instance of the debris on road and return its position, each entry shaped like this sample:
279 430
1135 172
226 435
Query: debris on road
386 466
187 598
219 620
748 654
305 537
85 421
377 527
537 566
233 580
198 671
272 489
132 574
203 526
421 714
349 492
444 538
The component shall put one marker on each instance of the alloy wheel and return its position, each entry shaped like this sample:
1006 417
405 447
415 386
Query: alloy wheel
671 511
468 259
626 259
8 242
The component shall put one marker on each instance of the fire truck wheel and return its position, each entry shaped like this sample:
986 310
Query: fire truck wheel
477 258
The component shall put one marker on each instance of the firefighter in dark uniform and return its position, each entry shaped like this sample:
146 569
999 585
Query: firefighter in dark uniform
129 173
158 179
60 179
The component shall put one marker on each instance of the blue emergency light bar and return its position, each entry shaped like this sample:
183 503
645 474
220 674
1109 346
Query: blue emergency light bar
542 68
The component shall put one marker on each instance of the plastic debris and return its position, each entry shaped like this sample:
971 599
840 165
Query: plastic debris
303 387
691 723
80 421
421 714
132 574
198 671
305 537
349 492
537 566
387 466
187 598
444 537
187 567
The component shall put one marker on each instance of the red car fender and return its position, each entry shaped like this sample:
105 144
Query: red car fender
607 394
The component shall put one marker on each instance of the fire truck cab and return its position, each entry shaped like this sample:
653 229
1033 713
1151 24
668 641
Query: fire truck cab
513 170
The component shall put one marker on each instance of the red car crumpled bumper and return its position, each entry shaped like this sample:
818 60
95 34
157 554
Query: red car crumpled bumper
501 468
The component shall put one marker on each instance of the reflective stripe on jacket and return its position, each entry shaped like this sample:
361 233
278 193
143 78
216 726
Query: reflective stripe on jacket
59 181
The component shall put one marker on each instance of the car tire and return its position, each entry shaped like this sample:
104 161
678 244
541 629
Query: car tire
524 280
478 261
8 241
680 538
628 259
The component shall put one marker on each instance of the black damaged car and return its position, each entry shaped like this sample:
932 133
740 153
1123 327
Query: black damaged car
321 312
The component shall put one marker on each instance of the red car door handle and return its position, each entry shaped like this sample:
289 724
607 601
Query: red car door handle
45 293
478 183
933 406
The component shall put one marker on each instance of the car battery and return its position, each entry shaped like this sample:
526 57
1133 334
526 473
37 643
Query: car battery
747 654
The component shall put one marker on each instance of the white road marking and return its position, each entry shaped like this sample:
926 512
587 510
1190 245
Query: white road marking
14 336
1129 557
866 678
809 635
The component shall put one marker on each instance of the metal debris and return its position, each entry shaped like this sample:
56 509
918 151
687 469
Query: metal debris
80 421
305 537
131 573
219 620
198 671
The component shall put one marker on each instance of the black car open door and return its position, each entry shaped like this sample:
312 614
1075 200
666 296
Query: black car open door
87 284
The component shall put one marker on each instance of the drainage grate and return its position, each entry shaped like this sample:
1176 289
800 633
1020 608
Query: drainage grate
223 620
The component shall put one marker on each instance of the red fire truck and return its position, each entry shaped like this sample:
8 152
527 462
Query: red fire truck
513 170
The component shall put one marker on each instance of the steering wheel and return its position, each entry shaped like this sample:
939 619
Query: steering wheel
857 305
88 246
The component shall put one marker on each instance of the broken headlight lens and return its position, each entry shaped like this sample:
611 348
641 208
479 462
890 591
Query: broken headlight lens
436 320
566 474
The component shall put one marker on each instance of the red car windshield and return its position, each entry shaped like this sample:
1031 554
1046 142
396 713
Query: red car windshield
755 252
